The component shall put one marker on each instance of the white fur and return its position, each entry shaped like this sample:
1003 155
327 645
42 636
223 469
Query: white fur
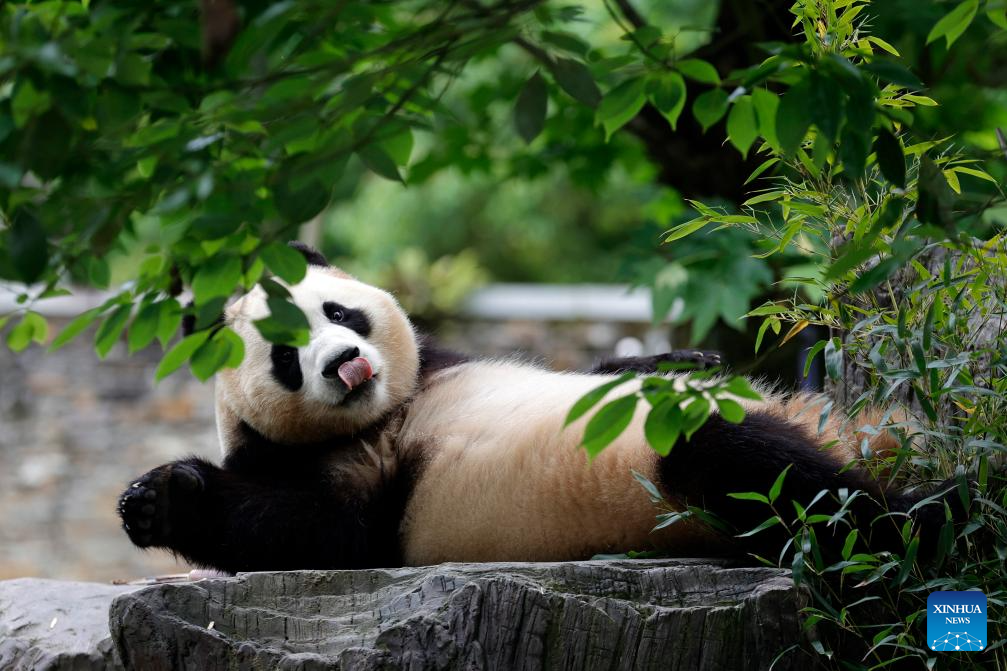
315 411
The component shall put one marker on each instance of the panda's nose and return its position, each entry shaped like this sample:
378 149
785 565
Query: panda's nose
331 369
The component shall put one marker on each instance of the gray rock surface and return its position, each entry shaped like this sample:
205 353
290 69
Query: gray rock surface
656 614
51 625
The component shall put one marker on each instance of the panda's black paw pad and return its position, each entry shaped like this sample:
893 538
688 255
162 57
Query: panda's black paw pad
154 505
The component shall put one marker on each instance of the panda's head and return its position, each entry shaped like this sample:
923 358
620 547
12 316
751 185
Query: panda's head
361 361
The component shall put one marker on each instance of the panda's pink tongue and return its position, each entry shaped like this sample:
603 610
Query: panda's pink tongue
355 372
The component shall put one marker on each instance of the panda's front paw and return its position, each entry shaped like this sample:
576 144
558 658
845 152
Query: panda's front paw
155 505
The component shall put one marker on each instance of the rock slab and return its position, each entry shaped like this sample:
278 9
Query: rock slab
52 625
652 614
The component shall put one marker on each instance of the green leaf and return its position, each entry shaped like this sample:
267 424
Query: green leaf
854 145
793 117
907 562
774 491
699 70
286 262
217 276
300 195
934 205
667 93
39 327
169 318
812 353
180 353
709 107
766 104
110 330
663 426
891 158
591 398
763 167
574 78
398 143
285 325
827 103
74 328
749 496
19 337
688 228
650 487
621 104
210 357
742 126
530 108
236 347
144 327
608 423
954 23
767 323
28 249
891 71
730 410
851 539
379 162
834 359
98 272
998 17
695 415
850 255
28 102
566 41
771 522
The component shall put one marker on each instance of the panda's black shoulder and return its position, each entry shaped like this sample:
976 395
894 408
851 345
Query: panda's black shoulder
434 358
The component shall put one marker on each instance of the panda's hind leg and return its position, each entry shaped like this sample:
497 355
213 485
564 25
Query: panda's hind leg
722 458
696 359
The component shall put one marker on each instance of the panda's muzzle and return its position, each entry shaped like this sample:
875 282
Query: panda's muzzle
349 367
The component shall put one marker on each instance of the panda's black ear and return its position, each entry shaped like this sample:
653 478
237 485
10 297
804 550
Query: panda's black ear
311 255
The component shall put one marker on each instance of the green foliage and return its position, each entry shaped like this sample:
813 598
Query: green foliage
679 405
910 263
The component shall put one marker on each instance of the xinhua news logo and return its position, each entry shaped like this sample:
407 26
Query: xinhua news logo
956 621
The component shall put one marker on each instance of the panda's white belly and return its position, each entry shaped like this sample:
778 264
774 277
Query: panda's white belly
503 480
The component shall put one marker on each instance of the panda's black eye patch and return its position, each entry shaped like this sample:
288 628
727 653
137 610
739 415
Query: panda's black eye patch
351 318
287 367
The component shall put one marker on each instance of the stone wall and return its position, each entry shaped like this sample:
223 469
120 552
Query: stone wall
74 430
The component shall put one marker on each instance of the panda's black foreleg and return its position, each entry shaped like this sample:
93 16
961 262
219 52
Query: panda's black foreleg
723 458
225 520
699 359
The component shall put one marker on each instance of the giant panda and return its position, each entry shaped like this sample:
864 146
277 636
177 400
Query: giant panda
369 447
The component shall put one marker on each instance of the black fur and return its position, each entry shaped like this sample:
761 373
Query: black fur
266 510
311 255
651 364
286 367
434 358
723 458
351 318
